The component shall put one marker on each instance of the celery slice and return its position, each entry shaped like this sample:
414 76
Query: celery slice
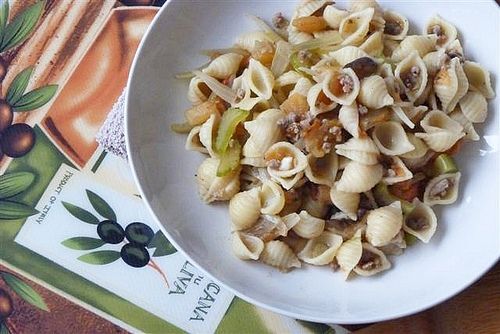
384 197
229 160
230 120
444 164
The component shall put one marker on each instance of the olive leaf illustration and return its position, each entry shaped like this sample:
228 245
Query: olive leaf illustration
81 214
19 29
101 206
12 210
19 85
35 99
15 183
162 245
83 243
100 257
24 291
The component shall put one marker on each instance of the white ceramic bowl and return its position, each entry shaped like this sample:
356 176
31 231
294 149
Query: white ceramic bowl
464 247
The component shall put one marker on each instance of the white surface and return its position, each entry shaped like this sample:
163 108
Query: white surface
466 244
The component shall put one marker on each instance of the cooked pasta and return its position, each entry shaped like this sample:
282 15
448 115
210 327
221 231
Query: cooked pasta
332 136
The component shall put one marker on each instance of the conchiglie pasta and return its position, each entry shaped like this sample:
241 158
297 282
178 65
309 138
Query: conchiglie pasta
373 93
212 187
308 8
309 227
342 87
260 79
362 150
420 148
474 107
264 132
442 189
349 254
285 160
334 16
272 198
391 139
479 79
208 132
423 44
198 91
372 261
436 121
316 103
244 209
383 224
193 142
470 131
296 37
450 84
396 25
374 45
248 40
421 221
346 55
278 254
224 66
440 141
246 247
413 75
346 202
434 61
354 27
349 117
444 30
322 170
358 178
397 171
321 250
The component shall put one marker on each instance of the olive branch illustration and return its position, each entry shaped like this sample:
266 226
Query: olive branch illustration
136 240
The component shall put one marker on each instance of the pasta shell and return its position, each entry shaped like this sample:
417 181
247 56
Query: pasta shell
309 227
246 247
373 93
341 225
434 61
349 254
244 209
442 189
316 104
349 117
374 45
268 228
285 160
208 131
278 254
322 170
212 187
479 79
316 200
474 107
413 75
289 182
396 25
264 131
440 141
358 178
437 121
308 8
362 150
421 221
224 66
389 47
383 224
240 85
354 27
391 139
193 142
334 16
445 31
342 87
302 87
255 162
287 78
401 116
346 202
415 113
450 85
470 131
423 44
291 220
272 198
397 172
248 40
420 148
296 37
372 261
198 91
321 250
260 79
346 55
396 245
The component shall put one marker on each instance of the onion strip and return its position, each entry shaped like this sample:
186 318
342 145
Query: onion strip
281 58
214 53
273 35
318 43
222 91
400 113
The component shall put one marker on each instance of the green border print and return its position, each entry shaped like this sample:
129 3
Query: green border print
241 317
44 160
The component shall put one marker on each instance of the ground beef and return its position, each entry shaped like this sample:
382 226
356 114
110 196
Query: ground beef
392 28
279 21
347 83
417 224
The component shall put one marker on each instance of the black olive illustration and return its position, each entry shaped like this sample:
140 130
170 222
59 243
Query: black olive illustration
3 69
6 306
135 255
139 233
17 140
110 231
6 115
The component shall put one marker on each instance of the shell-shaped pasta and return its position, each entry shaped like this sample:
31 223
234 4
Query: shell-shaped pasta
397 172
450 84
287 78
421 221
240 84
434 61
454 49
334 16
193 142
255 162
268 227
278 254
420 148
389 47
445 31
248 40
374 45
423 44
396 25
289 182
322 170
383 224
342 87
349 254
440 141
285 160
260 79
198 91
347 54
372 261
264 132
244 209
373 93
474 107
302 87
246 247
310 7
321 250
272 198
316 105
309 227
349 117
443 189
354 27
470 131
224 65
212 187
479 79
358 178
291 220
396 245
362 150
296 37
391 139
413 75
415 113
208 131
437 121
346 202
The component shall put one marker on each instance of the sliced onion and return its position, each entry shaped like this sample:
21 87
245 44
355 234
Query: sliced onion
317 43
190 74
222 91
264 27
214 53
402 116
181 127
281 58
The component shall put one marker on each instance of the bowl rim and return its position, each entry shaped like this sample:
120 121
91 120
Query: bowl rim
319 319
